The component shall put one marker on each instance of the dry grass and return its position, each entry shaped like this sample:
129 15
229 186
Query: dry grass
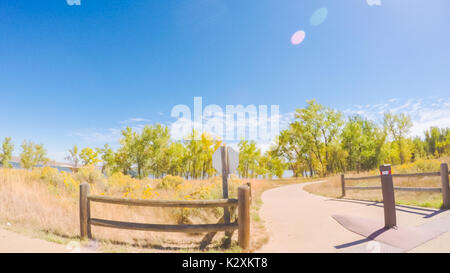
35 205
332 187
44 203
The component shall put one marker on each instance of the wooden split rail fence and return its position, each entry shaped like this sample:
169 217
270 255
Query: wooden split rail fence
443 173
242 224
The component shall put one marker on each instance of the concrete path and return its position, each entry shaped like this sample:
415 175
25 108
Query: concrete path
11 242
298 221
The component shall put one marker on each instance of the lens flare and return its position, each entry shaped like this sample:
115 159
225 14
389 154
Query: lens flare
298 37
318 17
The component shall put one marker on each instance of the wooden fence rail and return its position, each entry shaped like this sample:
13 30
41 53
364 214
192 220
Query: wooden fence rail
443 173
165 203
242 224
417 189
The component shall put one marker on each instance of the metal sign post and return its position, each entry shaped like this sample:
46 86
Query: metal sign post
225 173
225 160
387 187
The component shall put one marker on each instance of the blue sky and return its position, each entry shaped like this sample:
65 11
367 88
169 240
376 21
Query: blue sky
77 74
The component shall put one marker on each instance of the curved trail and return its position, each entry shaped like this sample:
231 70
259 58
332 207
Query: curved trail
11 242
298 221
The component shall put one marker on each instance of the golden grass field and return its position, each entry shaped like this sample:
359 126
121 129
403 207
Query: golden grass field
332 186
44 203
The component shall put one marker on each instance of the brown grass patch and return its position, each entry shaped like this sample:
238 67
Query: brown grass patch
332 188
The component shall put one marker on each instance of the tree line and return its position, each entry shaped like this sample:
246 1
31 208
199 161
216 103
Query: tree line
319 141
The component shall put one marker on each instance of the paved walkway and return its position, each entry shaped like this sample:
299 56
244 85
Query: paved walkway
11 242
298 221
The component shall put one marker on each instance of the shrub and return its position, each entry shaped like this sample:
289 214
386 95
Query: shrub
182 215
49 175
419 166
423 165
119 182
170 182
90 174
148 192
70 183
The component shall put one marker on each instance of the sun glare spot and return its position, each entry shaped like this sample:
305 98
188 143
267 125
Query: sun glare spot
298 37
318 17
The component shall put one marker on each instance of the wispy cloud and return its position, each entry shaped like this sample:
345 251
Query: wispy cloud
134 120
424 112
101 136
373 2
98 136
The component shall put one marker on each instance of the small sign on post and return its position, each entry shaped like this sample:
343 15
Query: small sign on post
387 187
225 161
233 159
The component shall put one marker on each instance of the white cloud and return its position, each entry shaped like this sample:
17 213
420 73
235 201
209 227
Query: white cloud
424 112
134 120
98 136
373 2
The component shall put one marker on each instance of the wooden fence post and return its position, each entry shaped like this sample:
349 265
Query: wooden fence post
250 189
445 186
226 211
343 184
244 217
85 227
387 188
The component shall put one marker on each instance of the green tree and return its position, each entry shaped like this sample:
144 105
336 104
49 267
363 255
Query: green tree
274 165
419 149
108 158
6 153
362 141
89 156
398 126
32 155
145 150
249 159
123 162
176 159
320 126
293 145
159 143
437 141
198 156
